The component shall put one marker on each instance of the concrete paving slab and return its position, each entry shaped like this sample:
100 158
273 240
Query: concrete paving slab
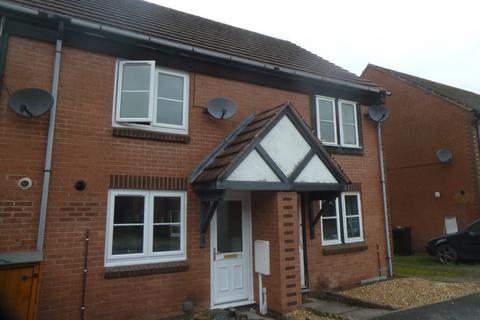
329 306
345 310
365 313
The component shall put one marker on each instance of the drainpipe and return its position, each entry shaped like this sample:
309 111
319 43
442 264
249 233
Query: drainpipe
51 130
384 196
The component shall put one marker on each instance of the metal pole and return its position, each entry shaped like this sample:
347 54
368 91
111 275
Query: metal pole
49 149
384 193
85 270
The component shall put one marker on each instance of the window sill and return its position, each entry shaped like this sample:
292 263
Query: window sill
135 133
344 150
145 269
344 248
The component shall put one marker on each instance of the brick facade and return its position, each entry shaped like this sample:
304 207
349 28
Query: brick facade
86 149
421 123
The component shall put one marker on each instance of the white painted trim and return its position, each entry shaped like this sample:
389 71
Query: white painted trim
360 222
317 106
147 256
340 106
245 197
337 219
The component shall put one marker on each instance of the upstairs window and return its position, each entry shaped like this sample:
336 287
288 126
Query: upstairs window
327 120
342 220
337 122
151 98
348 124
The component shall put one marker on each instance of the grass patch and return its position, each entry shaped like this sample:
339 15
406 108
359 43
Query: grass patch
422 265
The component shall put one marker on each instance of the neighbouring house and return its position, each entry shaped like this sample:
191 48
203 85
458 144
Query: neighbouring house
428 193
154 205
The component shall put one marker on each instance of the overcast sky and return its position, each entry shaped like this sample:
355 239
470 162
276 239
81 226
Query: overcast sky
438 40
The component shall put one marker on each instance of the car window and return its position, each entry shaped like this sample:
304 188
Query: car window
475 228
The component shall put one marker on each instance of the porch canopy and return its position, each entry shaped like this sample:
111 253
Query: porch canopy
273 150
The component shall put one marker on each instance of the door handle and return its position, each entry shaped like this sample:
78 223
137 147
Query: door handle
214 254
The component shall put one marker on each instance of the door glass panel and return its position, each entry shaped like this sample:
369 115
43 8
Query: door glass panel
229 227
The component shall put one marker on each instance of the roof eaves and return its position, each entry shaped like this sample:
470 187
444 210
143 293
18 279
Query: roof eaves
139 36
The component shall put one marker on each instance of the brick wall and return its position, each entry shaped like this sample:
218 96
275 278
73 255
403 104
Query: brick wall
275 219
86 149
421 123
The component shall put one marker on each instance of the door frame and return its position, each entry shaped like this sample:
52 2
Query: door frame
303 207
243 196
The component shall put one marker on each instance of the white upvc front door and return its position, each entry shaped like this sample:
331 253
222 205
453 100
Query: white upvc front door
231 247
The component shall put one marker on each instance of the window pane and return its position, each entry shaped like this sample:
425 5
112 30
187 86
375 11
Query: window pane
351 205
134 104
353 227
127 239
327 131
229 227
169 112
136 77
170 87
349 134
348 113
329 231
166 209
325 110
475 228
166 238
128 209
329 209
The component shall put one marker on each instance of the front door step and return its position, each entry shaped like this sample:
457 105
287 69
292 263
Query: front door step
244 313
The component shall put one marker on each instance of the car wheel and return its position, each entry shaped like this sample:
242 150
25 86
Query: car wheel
446 253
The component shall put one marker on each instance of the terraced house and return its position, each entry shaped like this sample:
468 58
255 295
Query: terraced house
127 200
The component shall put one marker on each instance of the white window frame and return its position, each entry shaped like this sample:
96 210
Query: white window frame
344 216
147 256
118 90
341 103
118 121
337 218
334 110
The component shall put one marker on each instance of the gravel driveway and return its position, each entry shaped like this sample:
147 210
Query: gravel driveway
411 292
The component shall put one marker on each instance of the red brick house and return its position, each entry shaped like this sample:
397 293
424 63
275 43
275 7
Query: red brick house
426 117
168 199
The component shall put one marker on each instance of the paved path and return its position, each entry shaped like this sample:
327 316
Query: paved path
345 310
465 308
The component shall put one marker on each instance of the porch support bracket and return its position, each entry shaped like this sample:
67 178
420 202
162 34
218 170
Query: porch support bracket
208 206
314 219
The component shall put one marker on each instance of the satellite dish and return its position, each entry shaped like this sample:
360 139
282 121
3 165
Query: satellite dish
221 108
378 113
30 102
444 155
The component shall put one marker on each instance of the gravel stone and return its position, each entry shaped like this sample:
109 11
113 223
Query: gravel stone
411 292
304 314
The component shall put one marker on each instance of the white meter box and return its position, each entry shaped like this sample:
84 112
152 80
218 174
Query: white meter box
262 257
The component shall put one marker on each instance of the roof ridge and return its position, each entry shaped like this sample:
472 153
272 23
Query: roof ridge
459 96
417 77
153 20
